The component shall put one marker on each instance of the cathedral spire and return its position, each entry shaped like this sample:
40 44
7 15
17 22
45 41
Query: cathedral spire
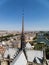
23 43
22 35
23 22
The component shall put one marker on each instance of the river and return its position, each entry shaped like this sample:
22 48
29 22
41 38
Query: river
42 38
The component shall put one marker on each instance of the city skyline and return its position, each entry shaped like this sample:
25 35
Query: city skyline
36 15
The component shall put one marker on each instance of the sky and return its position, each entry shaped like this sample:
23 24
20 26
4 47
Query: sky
36 15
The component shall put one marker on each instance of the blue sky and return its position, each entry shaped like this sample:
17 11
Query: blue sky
36 14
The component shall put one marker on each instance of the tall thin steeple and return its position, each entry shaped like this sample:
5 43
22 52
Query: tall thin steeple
23 43
22 35
23 22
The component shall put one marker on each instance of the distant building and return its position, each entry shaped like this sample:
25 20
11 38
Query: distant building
2 49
